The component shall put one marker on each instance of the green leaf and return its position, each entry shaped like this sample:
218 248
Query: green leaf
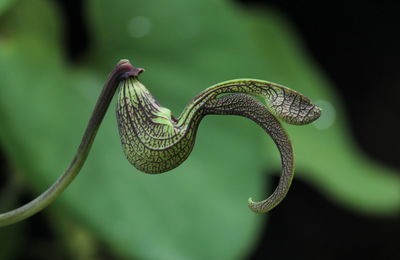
325 152
231 44
178 215
4 4
197 211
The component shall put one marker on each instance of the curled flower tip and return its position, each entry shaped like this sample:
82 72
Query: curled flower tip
255 206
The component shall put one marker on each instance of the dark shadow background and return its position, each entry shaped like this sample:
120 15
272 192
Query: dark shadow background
358 49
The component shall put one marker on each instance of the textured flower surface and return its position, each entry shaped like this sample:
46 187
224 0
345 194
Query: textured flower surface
154 141
46 100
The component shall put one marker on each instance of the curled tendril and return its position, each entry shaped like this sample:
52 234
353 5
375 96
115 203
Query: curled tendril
154 141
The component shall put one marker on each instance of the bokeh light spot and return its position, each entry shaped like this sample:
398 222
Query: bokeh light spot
328 115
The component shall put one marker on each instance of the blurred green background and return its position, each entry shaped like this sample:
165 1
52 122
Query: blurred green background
54 59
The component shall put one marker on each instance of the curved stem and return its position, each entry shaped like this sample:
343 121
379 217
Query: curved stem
247 106
65 179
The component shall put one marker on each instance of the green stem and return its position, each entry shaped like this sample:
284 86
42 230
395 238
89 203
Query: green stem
65 179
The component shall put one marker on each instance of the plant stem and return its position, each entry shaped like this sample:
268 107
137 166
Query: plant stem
75 166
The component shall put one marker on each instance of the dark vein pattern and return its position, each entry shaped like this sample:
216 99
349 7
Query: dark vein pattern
154 141
247 106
